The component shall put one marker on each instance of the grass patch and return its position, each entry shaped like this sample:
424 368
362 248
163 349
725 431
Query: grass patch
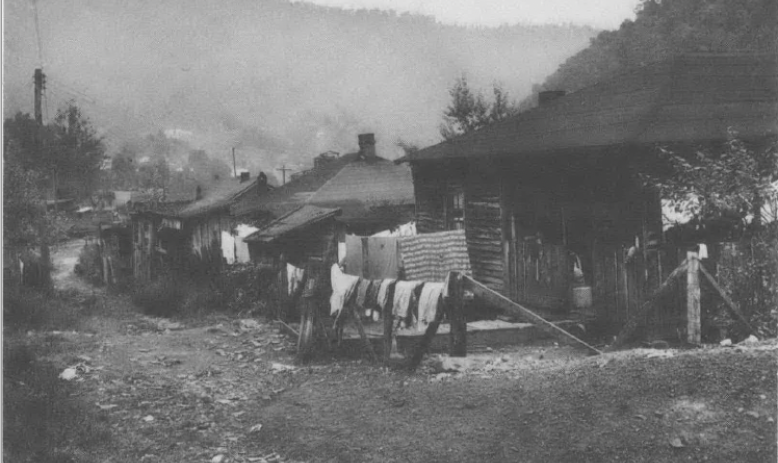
43 419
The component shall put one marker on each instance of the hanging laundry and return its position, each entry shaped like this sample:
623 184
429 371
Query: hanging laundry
362 288
405 297
382 258
371 298
428 302
294 277
353 259
228 247
343 287
430 256
383 293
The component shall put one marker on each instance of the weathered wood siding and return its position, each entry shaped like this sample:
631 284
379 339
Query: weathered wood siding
483 228
431 182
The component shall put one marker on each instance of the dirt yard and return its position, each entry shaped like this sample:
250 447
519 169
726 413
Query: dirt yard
221 389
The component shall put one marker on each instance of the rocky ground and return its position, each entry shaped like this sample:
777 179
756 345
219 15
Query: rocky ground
224 389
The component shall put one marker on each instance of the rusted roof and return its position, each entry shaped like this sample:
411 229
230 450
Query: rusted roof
691 98
365 185
296 220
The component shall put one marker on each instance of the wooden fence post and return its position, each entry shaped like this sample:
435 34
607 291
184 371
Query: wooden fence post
458 334
692 298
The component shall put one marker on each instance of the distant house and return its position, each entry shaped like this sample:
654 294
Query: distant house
188 229
557 185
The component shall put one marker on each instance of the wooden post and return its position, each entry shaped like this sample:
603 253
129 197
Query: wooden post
283 285
362 333
455 304
388 324
692 298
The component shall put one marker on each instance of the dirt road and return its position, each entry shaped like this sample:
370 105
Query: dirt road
226 389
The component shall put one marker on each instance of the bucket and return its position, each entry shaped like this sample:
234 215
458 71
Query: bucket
582 297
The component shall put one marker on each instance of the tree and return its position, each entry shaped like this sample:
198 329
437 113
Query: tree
79 152
733 180
470 111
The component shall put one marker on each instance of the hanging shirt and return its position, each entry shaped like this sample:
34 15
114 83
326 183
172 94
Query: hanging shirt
343 287
404 297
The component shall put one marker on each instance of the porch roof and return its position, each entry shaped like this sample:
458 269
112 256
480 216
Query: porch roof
294 221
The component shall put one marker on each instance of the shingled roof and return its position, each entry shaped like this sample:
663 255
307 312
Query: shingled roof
366 184
691 98
295 193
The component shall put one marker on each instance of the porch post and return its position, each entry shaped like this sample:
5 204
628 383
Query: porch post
692 298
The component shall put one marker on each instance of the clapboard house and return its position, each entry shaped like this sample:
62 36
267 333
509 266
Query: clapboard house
559 184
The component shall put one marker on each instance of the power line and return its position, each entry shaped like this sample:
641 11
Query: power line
37 32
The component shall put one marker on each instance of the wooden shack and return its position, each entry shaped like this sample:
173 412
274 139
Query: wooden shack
560 184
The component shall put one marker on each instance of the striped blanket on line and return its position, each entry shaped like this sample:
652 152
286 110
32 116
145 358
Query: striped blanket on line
429 257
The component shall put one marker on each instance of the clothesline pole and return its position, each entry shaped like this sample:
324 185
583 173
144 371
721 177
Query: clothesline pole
426 340
455 304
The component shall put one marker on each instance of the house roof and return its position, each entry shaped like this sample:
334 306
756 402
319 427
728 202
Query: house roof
296 192
298 219
691 98
363 185
216 196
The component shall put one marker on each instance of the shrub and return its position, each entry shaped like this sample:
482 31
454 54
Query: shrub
247 288
162 297
749 274
43 420
29 309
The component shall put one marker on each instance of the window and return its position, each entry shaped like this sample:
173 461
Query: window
455 209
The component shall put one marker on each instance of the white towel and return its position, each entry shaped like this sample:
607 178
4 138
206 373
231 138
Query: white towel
343 287
428 302
403 296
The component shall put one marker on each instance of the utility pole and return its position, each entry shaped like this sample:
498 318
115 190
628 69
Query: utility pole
40 83
234 169
283 170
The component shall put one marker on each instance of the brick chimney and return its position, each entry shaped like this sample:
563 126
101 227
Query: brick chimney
544 98
244 177
367 146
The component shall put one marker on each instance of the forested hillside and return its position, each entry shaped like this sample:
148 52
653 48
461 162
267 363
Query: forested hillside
667 28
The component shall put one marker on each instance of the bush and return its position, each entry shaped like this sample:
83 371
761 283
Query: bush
247 288
162 297
749 273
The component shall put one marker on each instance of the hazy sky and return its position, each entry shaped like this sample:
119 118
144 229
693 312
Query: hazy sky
604 14
282 81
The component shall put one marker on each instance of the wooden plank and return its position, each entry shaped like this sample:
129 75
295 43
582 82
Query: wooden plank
502 302
634 320
386 313
693 298
730 304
